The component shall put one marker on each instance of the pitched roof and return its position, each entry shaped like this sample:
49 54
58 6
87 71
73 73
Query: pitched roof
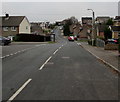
116 28
90 18
101 28
12 21
117 18
103 17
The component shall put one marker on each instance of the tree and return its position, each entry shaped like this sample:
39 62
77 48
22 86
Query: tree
109 22
51 26
107 33
66 29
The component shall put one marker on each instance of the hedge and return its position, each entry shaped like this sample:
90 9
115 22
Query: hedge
31 38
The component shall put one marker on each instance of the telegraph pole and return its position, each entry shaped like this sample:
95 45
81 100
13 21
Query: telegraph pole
93 26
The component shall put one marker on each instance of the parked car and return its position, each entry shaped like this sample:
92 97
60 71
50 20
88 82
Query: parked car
75 37
71 38
4 41
112 41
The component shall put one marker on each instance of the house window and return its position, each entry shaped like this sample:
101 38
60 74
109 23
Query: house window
13 28
5 28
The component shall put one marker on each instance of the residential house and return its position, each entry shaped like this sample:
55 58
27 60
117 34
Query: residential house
75 28
87 27
116 27
42 25
73 20
36 29
64 22
115 31
87 20
117 21
58 23
102 19
47 24
12 25
100 30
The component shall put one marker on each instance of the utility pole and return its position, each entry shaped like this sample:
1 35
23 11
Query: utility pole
93 26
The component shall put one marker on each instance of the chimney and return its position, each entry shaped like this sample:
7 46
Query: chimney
6 16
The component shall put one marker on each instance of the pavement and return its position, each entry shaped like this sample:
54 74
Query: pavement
108 57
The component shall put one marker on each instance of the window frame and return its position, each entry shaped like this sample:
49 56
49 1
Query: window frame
13 29
5 28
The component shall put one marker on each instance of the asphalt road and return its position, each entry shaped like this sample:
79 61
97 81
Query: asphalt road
59 71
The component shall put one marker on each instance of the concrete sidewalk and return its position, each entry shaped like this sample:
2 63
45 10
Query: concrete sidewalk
108 57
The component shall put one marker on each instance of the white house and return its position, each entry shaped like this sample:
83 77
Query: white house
12 25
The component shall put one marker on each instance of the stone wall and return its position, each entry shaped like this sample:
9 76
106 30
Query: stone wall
111 47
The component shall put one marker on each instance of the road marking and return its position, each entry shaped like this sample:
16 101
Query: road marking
7 55
65 57
15 53
48 59
45 63
41 67
50 63
37 45
79 44
19 52
59 47
23 50
19 90
11 54
55 52
2 57
43 44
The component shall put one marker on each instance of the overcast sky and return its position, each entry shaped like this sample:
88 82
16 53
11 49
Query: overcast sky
52 11
60 0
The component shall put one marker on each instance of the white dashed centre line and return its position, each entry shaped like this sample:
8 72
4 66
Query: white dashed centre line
55 52
7 55
45 63
59 47
11 54
19 90
50 58
20 51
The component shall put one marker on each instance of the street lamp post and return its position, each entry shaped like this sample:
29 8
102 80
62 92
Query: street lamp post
93 22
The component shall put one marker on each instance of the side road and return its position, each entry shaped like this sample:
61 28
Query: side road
108 57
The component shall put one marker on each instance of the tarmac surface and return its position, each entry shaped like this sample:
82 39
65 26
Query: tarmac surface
110 57
59 71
